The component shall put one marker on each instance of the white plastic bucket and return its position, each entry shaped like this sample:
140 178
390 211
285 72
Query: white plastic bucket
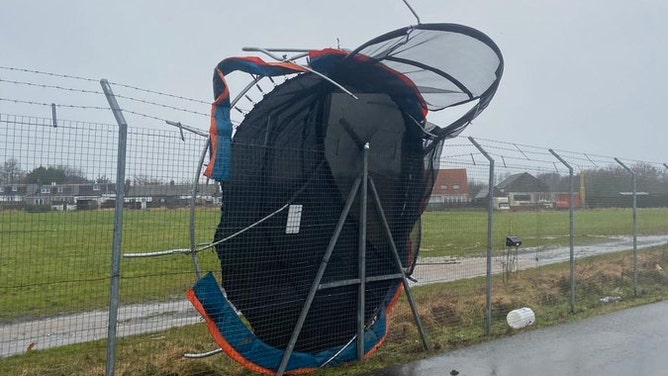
520 318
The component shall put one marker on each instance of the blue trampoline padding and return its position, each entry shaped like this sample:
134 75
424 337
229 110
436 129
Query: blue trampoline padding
242 345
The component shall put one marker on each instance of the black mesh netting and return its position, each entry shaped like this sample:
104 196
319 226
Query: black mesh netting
296 157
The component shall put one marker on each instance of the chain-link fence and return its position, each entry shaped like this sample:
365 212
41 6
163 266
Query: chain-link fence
570 232
557 231
58 197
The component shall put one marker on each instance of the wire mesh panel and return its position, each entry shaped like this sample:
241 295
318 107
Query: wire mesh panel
57 197
452 265
57 222
261 239
56 232
603 245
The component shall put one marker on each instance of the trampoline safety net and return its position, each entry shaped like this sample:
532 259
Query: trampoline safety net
293 231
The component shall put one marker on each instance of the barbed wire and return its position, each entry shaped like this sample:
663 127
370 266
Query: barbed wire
124 110
153 117
28 83
82 107
97 92
579 160
162 105
509 153
160 93
595 160
51 74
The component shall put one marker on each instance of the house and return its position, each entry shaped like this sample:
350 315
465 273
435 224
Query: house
525 191
12 196
500 200
451 188
95 195
12 192
103 195
170 195
69 196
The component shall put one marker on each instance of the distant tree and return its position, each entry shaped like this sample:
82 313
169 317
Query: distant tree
475 188
650 178
10 172
102 179
145 180
554 180
55 174
73 175
44 175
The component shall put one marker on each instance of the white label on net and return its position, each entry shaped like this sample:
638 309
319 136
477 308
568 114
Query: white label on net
294 219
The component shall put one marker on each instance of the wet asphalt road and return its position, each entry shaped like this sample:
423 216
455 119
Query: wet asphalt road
629 342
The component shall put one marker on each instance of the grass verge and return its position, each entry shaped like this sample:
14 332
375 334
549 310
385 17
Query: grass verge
453 314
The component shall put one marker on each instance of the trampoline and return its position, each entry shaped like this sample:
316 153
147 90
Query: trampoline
323 184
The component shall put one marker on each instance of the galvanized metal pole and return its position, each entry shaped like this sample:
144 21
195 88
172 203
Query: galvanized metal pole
54 119
397 262
118 228
635 225
490 232
361 256
318 277
571 224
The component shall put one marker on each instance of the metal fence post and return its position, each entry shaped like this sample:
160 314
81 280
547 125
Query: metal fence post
571 223
490 228
118 228
634 180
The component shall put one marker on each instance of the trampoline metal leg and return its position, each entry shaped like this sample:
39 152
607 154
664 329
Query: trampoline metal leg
361 254
397 260
318 278
366 182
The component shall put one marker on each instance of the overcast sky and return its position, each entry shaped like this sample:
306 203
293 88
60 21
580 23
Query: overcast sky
585 75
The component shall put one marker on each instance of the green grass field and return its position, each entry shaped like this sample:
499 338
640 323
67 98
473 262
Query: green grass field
59 262
464 233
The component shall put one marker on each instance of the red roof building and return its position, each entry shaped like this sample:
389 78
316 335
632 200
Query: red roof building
450 186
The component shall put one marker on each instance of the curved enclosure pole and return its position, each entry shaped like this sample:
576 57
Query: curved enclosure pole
193 205
301 52
193 196
412 11
194 249
203 354
269 53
